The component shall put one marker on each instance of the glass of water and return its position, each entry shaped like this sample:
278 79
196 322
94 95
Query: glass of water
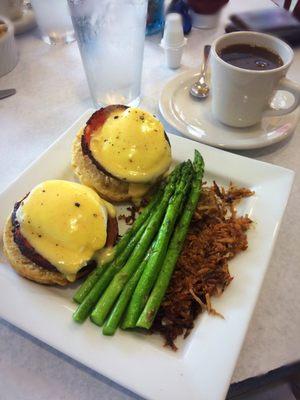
110 36
54 21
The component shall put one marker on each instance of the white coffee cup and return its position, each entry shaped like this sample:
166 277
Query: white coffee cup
11 9
241 97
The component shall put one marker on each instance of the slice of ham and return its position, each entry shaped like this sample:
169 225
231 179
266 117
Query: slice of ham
112 231
95 122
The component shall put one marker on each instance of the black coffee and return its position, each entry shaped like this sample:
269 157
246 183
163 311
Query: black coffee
250 57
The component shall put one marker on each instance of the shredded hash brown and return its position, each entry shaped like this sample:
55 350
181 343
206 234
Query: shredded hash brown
215 236
134 211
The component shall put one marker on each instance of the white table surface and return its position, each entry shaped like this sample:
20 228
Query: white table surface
51 93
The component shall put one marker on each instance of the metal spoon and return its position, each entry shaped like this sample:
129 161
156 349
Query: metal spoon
6 93
200 89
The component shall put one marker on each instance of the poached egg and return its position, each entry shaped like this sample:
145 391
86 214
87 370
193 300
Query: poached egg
66 223
132 146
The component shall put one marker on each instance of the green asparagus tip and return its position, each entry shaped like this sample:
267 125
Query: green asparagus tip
198 157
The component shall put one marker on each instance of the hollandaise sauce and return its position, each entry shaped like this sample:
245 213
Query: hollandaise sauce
65 222
105 255
131 145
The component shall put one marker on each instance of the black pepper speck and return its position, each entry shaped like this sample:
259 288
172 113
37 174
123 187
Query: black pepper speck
77 204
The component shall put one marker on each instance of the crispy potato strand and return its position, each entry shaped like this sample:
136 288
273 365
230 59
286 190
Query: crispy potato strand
215 236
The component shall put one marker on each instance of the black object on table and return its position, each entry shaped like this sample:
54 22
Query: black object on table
275 21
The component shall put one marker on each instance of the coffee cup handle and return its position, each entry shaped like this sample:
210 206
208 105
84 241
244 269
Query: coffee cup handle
289 86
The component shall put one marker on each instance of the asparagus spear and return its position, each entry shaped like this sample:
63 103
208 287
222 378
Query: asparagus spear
115 316
109 297
147 317
154 264
89 283
84 309
93 277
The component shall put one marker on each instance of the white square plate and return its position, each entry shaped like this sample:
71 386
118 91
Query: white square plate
203 365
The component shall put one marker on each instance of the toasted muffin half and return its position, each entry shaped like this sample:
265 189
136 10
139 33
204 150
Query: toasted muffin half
29 261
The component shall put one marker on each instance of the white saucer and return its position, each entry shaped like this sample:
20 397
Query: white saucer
26 22
193 118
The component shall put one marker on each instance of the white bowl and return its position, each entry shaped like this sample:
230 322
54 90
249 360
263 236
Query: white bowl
8 49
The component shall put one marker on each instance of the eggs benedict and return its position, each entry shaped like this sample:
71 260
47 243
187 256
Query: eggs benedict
54 233
121 152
